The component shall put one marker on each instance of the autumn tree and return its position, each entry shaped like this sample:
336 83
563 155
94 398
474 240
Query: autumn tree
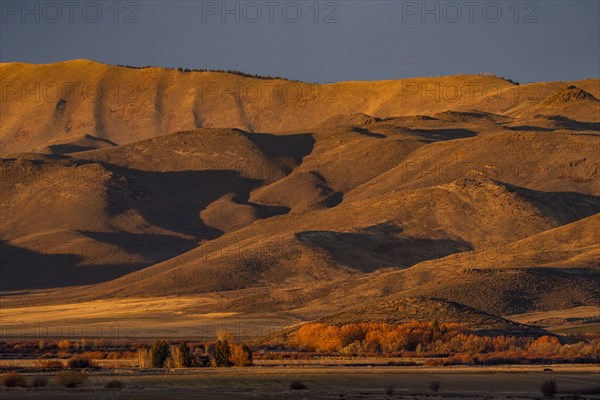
222 353
160 353
181 356
241 355
545 345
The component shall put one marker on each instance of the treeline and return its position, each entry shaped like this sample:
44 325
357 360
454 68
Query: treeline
372 337
226 71
431 338
500 77
223 353
59 354
436 343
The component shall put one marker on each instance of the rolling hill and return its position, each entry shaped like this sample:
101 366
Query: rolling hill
394 194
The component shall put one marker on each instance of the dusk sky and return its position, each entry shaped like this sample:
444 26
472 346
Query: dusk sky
315 41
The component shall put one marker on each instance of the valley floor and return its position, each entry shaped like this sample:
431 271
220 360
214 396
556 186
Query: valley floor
515 382
195 317
198 318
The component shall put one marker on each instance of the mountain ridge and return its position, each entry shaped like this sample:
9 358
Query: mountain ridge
396 190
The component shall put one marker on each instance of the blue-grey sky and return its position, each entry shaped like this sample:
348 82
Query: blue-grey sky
317 41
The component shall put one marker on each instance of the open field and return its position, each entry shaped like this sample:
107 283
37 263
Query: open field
133 318
195 317
573 320
330 383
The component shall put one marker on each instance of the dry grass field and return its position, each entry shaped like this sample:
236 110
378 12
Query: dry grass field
138 318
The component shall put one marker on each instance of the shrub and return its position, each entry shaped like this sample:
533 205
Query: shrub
113 384
70 379
129 355
144 357
545 345
50 364
64 344
169 362
39 381
222 353
435 386
548 388
241 356
12 379
389 391
160 353
114 355
297 385
181 357
79 362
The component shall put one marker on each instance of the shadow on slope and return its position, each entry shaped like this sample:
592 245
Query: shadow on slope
442 135
174 200
154 247
78 144
379 246
293 146
299 192
568 123
530 128
28 269
519 290
563 207
555 122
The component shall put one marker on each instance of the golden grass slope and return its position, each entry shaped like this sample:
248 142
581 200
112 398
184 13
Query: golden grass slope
555 161
555 269
227 186
394 188
43 102
397 310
